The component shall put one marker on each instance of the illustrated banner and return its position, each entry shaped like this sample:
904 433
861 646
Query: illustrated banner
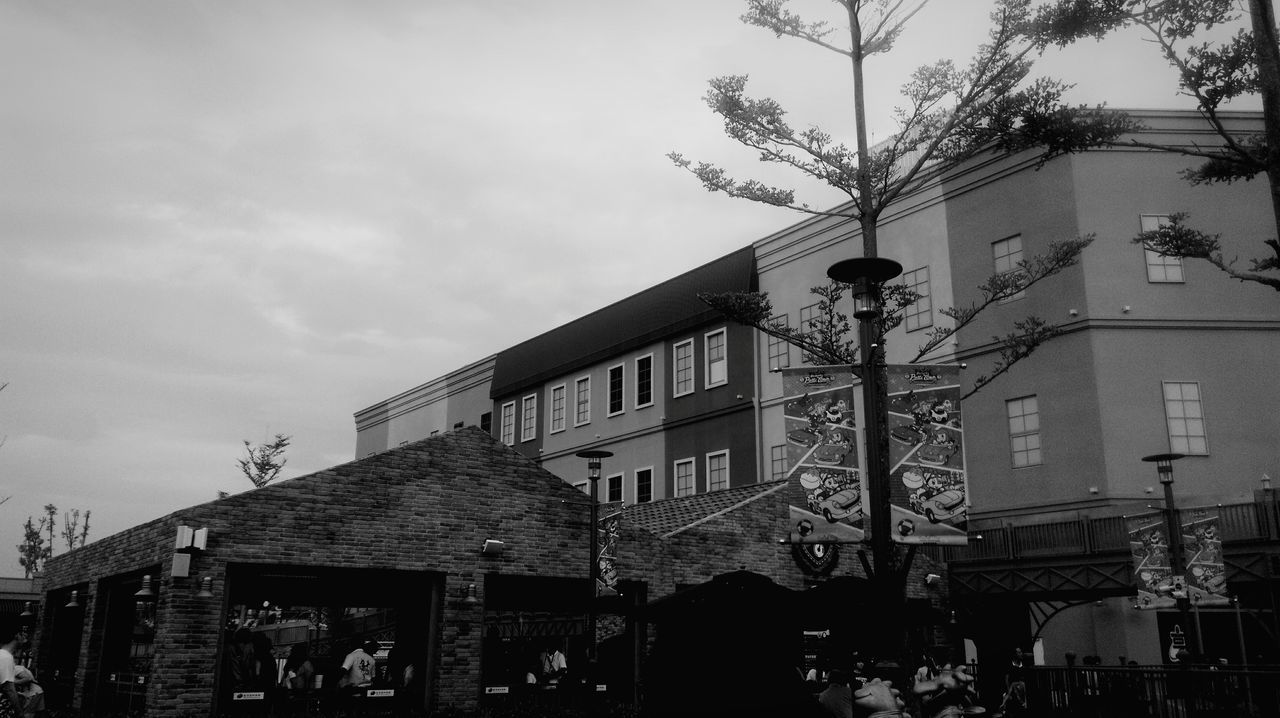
1206 577
1204 582
823 455
928 488
608 529
1152 570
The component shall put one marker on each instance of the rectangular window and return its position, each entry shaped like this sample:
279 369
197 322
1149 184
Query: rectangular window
584 487
582 401
718 471
507 432
717 357
529 417
644 381
613 488
486 422
1160 268
1185 415
1024 431
779 349
682 361
617 379
1007 253
644 485
778 462
557 408
685 478
920 314
809 323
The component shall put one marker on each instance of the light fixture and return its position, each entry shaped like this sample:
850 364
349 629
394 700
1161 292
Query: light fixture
1164 465
206 587
471 599
145 591
73 603
1266 482
866 274
492 547
931 578
26 611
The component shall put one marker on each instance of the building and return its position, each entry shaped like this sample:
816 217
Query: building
1156 354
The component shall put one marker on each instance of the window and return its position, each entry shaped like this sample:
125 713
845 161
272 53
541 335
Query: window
529 417
717 369
486 422
809 321
920 314
583 486
1185 415
644 381
1007 253
684 478
507 432
1160 268
557 408
1024 431
779 349
613 488
644 485
682 359
616 381
582 401
778 462
718 471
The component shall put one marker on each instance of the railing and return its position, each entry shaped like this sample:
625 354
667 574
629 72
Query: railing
1236 522
1152 692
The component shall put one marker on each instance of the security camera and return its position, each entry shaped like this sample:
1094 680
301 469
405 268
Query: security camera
932 578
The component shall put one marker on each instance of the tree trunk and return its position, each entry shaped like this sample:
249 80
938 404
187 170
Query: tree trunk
1262 15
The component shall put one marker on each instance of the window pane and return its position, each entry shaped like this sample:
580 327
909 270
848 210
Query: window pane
644 486
616 381
557 408
684 368
582 401
644 381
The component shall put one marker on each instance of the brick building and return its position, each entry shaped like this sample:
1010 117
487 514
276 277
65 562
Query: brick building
389 548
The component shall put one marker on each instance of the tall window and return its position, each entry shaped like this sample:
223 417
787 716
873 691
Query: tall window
557 408
682 360
1024 431
613 488
616 380
779 349
809 321
507 429
717 369
529 417
920 314
1160 268
1007 253
778 462
644 485
1185 415
644 381
718 471
582 401
486 422
684 478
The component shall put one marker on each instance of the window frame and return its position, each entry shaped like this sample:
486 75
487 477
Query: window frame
563 390
675 368
814 311
1203 436
578 403
913 311
528 411
636 485
774 458
504 424
622 390
649 388
715 455
692 463
782 320
1014 450
723 333
1154 260
621 476
1013 263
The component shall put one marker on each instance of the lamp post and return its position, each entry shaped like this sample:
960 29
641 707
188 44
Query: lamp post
866 275
594 458
1177 566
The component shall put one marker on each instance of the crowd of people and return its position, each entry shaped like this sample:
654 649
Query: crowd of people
20 694
932 691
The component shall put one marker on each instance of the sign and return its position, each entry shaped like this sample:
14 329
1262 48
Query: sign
608 530
825 483
248 696
380 693
1206 577
492 690
1152 570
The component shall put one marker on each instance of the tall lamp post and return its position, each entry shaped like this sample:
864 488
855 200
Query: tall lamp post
594 458
1177 562
866 275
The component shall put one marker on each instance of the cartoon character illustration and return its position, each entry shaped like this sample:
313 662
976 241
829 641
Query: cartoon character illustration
945 505
841 504
906 527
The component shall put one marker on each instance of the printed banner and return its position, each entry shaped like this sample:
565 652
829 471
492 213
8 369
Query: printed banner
823 455
1206 577
928 489
608 529
1152 570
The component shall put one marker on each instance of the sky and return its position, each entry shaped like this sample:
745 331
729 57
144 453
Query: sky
224 220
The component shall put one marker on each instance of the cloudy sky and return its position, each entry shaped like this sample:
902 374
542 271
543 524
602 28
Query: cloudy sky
223 220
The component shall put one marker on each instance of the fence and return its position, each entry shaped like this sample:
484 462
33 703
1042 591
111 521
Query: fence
1153 692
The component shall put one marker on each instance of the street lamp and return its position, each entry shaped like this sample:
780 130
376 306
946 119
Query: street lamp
867 275
1177 566
594 458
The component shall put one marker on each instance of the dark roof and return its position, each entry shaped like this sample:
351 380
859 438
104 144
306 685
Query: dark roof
660 311
671 516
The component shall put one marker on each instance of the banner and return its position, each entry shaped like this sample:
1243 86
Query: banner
1206 577
1152 569
823 455
928 487
608 530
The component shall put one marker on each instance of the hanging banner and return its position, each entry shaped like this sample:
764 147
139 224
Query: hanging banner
928 488
1152 569
823 455
608 529
1206 577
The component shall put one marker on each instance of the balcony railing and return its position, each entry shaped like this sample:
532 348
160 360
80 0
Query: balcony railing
1253 521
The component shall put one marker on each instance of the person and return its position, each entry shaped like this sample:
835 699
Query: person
358 666
10 638
299 673
949 693
928 669
30 692
837 698
244 662
552 665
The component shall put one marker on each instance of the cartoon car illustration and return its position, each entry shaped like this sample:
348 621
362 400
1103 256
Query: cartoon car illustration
830 454
944 505
803 437
841 504
935 455
907 435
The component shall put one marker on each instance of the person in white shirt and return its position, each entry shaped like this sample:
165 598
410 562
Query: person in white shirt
552 664
359 667
11 636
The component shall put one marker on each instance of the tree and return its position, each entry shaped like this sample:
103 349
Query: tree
263 463
73 533
1213 74
32 552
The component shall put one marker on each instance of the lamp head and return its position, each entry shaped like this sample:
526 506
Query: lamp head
1164 465
594 458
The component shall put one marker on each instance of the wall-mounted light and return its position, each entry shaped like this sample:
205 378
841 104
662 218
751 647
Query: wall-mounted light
73 603
26 611
206 587
145 592
469 597
931 578
492 547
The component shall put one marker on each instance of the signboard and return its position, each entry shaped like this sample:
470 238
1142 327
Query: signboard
1203 582
491 690
1206 577
823 455
380 693
607 531
1152 569
248 696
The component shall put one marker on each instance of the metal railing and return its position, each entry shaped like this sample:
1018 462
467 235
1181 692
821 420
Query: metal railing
1152 692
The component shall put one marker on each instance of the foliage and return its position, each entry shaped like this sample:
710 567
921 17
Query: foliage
264 462
73 533
1211 73
32 552
35 549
